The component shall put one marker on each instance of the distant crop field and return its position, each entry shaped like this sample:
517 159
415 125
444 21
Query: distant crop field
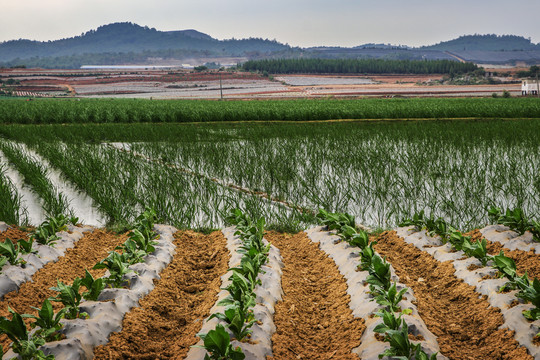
46 111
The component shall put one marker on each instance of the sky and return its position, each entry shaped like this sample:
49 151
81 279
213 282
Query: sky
301 23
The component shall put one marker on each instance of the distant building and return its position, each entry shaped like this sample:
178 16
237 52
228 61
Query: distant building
529 87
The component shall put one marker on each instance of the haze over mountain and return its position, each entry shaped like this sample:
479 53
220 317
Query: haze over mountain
121 43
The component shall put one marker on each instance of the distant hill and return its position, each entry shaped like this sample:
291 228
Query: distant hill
486 43
128 43
128 37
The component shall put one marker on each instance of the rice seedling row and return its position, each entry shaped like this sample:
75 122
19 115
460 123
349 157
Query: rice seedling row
35 175
10 199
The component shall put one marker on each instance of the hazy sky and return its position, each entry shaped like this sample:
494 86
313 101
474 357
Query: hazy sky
296 22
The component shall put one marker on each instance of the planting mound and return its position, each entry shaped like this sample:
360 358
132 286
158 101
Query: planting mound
166 324
314 320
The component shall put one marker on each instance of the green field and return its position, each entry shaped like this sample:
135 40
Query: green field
47 111
377 170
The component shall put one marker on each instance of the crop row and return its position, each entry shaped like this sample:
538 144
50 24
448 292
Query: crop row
19 260
86 324
496 276
134 111
376 295
246 304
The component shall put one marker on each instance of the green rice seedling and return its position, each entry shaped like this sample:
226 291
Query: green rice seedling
10 199
35 175
47 321
218 344
70 297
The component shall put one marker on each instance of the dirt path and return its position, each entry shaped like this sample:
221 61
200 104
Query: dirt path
465 324
166 324
89 250
314 320
525 260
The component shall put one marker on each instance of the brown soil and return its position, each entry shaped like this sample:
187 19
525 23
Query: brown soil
525 260
14 234
442 301
166 324
89 250
314 320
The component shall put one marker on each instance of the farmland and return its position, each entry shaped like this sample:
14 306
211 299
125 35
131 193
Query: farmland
447 190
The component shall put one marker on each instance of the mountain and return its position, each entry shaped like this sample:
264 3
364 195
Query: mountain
128 43
128 37
486 43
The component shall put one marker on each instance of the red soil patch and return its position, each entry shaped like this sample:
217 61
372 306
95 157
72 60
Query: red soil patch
166 324
314 320
464 323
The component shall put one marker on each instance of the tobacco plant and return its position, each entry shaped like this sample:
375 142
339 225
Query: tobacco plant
379 275
218 344
11 252
47 321
335 221
45 234
390 297
70 297
23 343
118 266
238 320
94 287
478 249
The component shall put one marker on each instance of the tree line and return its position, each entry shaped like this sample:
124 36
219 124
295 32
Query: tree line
355 66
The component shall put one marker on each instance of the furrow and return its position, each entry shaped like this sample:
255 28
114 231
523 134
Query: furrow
362 303
268 293
314 320
493 328
166 324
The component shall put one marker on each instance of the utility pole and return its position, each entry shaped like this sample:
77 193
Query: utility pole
537 86
220 86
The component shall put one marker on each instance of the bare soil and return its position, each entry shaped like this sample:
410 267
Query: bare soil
166 324
88 251
14 234
464 323
314 320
